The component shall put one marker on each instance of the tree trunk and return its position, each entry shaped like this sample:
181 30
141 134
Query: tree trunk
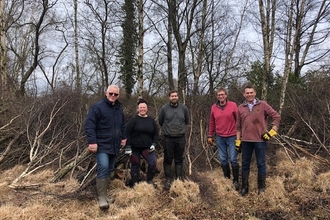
140 49
267 19
76 48
3 53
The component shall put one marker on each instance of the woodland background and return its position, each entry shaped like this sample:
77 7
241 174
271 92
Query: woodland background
58 57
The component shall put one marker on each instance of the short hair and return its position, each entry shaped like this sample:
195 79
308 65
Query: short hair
221 89
141 100
115 86
249 86
173 91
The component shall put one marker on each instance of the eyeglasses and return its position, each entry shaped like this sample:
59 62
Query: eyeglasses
113 94
221 94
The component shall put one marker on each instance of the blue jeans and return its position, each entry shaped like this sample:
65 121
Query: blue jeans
227 150
260 152
105 164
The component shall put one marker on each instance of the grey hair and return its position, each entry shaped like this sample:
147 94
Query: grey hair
114 86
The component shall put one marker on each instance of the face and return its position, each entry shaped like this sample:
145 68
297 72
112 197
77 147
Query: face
249 95
112 94
174 98
142 109
222 96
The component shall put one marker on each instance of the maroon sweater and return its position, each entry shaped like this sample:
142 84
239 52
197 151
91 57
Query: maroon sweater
223 121
252 124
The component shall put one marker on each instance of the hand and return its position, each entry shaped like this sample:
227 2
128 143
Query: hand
152 148
92 148
238 146
210 141
123 142
128 150
267 135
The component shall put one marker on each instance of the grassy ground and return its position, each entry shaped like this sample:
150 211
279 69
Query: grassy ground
295 190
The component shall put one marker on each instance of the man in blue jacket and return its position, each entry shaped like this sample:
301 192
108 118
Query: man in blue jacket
105 132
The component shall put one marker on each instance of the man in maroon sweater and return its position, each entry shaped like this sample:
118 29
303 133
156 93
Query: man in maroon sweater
222 124
252 135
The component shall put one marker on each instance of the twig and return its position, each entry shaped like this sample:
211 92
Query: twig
188 147
312 130
88 175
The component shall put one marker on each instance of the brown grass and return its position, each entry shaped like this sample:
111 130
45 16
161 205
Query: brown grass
294 191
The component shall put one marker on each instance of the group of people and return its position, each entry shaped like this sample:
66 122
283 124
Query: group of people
235 129
242 129
107 133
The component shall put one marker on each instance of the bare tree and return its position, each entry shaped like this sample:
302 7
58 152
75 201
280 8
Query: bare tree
303 37
3 52
182 15
267 11
140 48
197 73
38 29
76 47
224 54
161 12
100 25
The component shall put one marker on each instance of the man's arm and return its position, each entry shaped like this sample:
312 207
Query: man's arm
161 116
211 129
90 126
186 112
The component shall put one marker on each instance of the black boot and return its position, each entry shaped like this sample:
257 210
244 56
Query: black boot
168 174
245 184
226 170
235 170
261 183
134 179
178 172
150 177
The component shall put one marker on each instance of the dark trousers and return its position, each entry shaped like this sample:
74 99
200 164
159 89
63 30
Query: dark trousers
259 149
149 157
174 149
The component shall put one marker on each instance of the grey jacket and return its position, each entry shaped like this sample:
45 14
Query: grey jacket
173 119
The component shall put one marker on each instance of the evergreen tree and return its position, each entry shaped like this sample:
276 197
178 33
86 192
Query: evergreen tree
127 51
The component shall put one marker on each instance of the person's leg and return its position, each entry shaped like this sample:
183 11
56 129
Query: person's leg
112 161
230 141
135 167
260 151
102 179
180 145
233 160
223 155
247 150
168 159
151 159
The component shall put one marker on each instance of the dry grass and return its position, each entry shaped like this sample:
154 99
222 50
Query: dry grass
294 191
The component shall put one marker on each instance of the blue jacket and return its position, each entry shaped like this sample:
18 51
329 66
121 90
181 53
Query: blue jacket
105 126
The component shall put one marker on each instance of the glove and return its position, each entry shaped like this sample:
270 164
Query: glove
238 146
152 148
267 135
128 150
210 141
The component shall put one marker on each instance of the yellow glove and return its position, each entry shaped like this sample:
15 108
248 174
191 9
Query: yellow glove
266 136
210 141
238 146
